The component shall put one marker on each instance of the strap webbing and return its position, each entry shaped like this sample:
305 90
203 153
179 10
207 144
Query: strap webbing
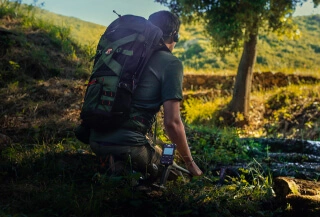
106 102
155 131
109 93
127 52
107 58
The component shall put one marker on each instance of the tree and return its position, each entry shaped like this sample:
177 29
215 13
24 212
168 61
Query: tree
232 24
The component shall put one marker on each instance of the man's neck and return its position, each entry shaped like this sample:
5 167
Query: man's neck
170 46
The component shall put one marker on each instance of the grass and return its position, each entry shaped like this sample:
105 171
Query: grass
52 179
45 171
283 106
258 69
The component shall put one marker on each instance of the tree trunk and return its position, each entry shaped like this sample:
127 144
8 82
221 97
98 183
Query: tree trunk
242 88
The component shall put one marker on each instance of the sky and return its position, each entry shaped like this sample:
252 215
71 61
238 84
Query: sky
100 11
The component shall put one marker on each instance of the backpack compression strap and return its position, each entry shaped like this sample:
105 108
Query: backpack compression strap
109 48
104 92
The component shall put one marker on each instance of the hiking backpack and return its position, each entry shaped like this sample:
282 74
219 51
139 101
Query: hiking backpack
122 53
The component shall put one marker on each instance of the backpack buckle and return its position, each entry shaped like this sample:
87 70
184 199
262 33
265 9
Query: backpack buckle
123 85
109 51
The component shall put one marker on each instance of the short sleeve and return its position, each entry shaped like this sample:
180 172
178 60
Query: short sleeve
171 87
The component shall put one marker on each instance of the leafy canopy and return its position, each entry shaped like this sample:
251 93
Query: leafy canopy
230 22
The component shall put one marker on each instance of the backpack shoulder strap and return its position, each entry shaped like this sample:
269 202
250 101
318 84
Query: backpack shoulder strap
109 48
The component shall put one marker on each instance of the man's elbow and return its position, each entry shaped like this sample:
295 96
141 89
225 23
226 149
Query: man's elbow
169 125
172 124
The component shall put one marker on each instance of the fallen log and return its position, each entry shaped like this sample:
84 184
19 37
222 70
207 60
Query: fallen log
302 195
287 145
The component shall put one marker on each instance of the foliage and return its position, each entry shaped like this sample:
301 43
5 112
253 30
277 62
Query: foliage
82 32
202 111
7 8
283 111
45 171
234 24
229 23
285 107
37 63
61 179
274 52
215 146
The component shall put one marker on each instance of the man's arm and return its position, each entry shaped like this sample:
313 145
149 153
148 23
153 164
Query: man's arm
176 132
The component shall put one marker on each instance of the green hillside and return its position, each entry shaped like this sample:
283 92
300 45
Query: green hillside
82 31
274 53
198 56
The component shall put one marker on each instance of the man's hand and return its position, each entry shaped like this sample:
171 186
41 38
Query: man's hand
194 169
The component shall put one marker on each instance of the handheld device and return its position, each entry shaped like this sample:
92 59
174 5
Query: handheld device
167 154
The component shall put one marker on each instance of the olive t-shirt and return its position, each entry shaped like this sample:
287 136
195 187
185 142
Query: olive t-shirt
160 81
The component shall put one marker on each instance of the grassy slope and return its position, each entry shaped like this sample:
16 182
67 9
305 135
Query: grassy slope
45 171
82 31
